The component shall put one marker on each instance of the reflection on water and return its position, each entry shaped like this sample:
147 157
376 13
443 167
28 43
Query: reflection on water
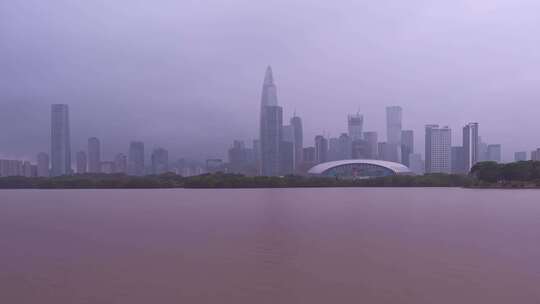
270 246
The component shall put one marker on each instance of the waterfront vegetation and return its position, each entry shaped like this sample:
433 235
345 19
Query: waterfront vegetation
483 175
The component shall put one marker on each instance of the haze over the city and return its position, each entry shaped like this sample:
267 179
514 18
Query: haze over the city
187 75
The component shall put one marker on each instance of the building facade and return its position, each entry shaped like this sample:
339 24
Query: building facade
355 126
321 149
136 159
296 123
407 146
471 146
373 144
94 155
438 149
60 140
271 122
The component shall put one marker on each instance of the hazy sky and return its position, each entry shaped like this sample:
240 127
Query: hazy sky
187 74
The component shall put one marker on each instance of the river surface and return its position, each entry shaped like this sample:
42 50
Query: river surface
279 246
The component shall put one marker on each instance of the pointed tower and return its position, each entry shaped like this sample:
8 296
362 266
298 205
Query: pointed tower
269 91
271 122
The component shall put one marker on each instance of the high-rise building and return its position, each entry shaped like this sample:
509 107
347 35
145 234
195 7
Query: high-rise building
286 159
271 123
160 161
520 156
296 123
393 133
407 146
387 151
237 154
82 162
471 149
60 140
136 159
287 151
43 164
321 149
373 144
458 160
120 163
393 125
333 149
94 155
355 124
494 153
438 149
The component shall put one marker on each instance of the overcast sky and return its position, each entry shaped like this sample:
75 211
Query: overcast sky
187 74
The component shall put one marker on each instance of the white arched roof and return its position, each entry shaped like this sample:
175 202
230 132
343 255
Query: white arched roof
395 167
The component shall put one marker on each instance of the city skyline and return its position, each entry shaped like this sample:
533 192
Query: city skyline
277 151
177 82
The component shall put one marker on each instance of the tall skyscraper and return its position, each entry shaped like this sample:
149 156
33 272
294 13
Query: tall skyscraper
160 161
43 164
287 156
393 132
373 144
120 163
355 124
271 123
94 155
82 162
60 140
136 158
296 123
494 153
407 146
471 149
520 156
438 149
393 124
321 149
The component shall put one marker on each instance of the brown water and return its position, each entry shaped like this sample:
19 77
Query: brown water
270 246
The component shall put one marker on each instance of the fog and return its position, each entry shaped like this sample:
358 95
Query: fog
187 75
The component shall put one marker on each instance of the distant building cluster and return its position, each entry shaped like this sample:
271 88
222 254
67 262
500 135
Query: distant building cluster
280 149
